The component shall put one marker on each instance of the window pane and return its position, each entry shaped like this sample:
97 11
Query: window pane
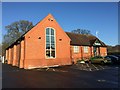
52 39
47 46
76 49
50 43
48 54
47 31
85 49
47 39
53 46
53 54
52 31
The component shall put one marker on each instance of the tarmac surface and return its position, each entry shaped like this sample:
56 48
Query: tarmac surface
74 76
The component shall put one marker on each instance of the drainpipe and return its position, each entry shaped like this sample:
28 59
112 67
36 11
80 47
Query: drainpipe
6 58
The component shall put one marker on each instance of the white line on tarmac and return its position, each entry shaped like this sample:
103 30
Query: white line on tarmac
112 82
90 69
101 67
105 81
95 67
87 65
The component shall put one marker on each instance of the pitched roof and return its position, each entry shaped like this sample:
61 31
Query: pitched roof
85 40
22 36
76 39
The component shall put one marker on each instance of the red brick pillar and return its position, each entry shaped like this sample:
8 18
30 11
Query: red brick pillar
6 57
18 55
97 51
9 60
81 48
22 53
91 51
7 54
14 55
71 55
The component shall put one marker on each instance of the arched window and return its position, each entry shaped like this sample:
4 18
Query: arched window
50 43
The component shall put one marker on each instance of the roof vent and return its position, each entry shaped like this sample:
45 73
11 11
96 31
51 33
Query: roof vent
39 38
60 39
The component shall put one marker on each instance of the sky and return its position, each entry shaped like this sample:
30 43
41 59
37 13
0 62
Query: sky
94 16
0 22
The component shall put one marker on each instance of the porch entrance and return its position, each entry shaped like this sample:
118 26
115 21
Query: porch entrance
96 51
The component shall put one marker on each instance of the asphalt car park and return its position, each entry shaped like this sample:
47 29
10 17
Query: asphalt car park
83 67
73 76
94 67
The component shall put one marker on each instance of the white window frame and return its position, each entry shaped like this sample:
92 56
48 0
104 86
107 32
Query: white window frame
50 43
97 43
85 49
76 49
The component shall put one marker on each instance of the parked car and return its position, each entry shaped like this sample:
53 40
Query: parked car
117 56
114 59
99 60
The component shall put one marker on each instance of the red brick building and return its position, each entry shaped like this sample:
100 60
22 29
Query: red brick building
47 45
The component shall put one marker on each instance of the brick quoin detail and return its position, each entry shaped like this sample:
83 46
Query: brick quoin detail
22 55
15 55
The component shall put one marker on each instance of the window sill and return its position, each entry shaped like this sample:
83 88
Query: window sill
50 58
76 52
86 52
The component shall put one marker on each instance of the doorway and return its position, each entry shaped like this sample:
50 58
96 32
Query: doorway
96 51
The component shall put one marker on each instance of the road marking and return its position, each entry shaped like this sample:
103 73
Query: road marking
95 67
63 71
101 80
116 67
47 69
82 65
87 65
101 67
90 69
112 82
39 69
107 81
53 69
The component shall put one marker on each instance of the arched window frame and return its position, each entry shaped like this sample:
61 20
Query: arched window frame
50 43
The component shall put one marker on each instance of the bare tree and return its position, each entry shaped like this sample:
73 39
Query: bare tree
81 31
14 31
